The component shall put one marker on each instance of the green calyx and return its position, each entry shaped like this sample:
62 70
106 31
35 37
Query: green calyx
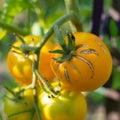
68 49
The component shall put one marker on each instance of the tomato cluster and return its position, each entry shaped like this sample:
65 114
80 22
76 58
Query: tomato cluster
81 63
67 106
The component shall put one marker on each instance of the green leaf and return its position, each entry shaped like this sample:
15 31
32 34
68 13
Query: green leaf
113 28
57 51
118 43
63 58
71 42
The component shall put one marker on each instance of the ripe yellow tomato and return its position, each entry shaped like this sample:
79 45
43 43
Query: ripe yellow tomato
19 109
88 68
68 105
20 64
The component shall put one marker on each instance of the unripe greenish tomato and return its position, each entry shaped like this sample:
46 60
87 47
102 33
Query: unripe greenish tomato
66 106
22 108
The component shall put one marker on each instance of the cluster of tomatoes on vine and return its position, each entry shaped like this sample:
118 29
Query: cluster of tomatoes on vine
81 62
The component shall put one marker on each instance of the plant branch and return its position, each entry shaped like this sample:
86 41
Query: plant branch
34 81
13 28
60 21
36 105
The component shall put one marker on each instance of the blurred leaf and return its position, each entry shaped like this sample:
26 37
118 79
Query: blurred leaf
107 41
118 43
2 33
1 4
116 80
15 7
5 43
113 28
51 19
95 98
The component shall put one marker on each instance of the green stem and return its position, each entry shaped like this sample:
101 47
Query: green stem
73 6
13 93
48 86
17 113
34 81
60 37
28 18
37 49
14 28
32 114
60 21
36 104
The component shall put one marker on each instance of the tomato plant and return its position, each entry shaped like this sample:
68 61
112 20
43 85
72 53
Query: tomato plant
20 62
84 63
20 108
67 105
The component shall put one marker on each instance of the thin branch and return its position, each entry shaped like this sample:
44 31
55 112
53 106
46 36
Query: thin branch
13 28
60 21
21 112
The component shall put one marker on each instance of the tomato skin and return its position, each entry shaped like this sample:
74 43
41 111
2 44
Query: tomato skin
25 103
20 65
67 106
89 68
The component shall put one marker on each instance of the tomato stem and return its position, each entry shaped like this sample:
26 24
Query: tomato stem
48 86
60 37
60 21
17 113
36 105
34 81
68 49
20 38
32 114
11 91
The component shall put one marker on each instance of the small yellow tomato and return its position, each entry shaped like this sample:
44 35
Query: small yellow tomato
86 66
20 64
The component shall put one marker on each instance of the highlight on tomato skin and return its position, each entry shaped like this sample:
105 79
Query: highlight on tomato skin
20 64
89 65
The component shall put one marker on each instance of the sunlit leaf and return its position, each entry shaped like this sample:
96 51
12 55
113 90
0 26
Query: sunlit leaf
2 33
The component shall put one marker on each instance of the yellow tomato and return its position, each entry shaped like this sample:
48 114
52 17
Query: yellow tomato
89 65
20 64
